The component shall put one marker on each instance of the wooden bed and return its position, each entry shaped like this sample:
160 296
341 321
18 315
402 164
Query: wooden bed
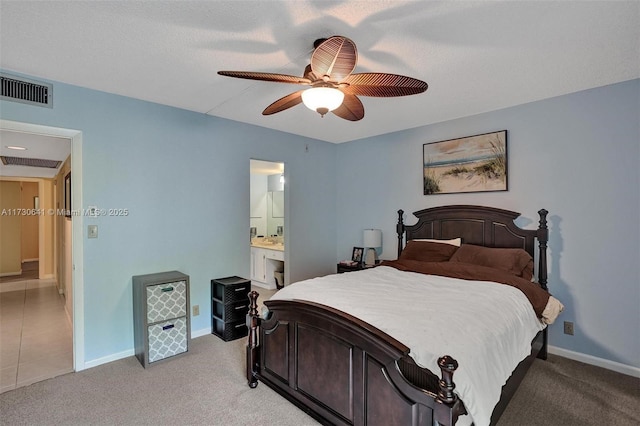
343 371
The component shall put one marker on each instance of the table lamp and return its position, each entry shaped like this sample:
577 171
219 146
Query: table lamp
372 239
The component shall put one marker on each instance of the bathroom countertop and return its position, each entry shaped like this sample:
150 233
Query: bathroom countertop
268 246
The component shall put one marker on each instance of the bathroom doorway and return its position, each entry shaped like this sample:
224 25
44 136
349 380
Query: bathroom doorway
267 231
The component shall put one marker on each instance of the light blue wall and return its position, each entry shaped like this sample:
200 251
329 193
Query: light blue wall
185 179
577 156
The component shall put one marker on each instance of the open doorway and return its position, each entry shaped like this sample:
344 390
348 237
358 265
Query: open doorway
45 302
267 231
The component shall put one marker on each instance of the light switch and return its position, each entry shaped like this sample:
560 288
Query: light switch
92 231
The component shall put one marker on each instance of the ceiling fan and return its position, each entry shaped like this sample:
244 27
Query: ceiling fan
333 86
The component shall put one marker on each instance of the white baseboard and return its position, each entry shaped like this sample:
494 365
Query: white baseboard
30 260
108 358
201 332
10 274
131 352
264 285
629 370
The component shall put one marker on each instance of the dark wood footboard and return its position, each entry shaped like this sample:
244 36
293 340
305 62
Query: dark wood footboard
342 371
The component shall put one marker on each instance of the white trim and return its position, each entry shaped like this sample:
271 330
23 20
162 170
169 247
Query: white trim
30 260
11 274
266 286
108 358
42 247
76 232
131 352
629 370
200 333
77 254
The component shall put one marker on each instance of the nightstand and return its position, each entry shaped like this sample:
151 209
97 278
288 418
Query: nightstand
357 267
349 268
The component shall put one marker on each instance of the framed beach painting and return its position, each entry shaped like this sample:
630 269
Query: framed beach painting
470 164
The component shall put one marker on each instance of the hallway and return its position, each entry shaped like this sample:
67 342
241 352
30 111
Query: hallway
35 333
29 272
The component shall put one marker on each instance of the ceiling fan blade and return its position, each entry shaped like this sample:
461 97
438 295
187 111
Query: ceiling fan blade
335 57
308 73
266 76
383 85
351 108
283 103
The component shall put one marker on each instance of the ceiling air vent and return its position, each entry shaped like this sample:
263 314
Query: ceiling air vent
30 162
18 89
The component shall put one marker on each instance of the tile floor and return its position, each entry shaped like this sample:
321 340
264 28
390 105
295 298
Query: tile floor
35 333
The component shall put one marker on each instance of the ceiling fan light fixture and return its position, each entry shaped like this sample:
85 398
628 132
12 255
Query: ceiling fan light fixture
322 99
329 73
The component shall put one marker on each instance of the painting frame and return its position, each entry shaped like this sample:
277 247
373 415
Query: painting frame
477 163
356 254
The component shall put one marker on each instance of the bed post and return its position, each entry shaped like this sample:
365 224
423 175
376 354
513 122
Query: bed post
446 412
400 231
253 322
543 237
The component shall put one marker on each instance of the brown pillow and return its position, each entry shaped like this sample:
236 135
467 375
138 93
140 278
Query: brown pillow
514 260
427 251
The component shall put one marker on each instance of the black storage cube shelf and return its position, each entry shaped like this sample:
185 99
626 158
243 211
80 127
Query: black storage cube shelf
229 307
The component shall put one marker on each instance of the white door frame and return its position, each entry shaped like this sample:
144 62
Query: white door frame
76 227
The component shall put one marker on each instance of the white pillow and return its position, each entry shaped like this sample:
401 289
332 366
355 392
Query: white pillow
454 242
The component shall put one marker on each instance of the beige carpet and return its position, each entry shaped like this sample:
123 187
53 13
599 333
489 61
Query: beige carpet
207 387
563 392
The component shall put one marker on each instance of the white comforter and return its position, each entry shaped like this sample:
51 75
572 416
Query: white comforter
493 324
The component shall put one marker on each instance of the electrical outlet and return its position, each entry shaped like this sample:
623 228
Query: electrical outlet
568 328
196 310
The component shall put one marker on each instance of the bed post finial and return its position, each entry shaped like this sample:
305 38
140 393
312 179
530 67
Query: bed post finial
253 322
400 231
543 237
448 366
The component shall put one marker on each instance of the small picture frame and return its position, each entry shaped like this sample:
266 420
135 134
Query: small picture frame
356 255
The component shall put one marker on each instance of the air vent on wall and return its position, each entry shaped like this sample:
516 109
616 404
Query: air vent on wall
30 162
18 89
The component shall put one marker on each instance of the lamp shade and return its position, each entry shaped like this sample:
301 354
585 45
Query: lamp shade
372 238
322 99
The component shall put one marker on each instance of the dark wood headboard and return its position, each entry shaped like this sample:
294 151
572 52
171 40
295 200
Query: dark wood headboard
479 225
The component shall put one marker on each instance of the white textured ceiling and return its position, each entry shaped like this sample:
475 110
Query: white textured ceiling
476 56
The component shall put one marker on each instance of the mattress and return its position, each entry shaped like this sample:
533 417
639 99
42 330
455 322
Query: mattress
493 324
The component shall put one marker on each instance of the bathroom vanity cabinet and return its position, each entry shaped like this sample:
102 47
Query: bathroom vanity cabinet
264 262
